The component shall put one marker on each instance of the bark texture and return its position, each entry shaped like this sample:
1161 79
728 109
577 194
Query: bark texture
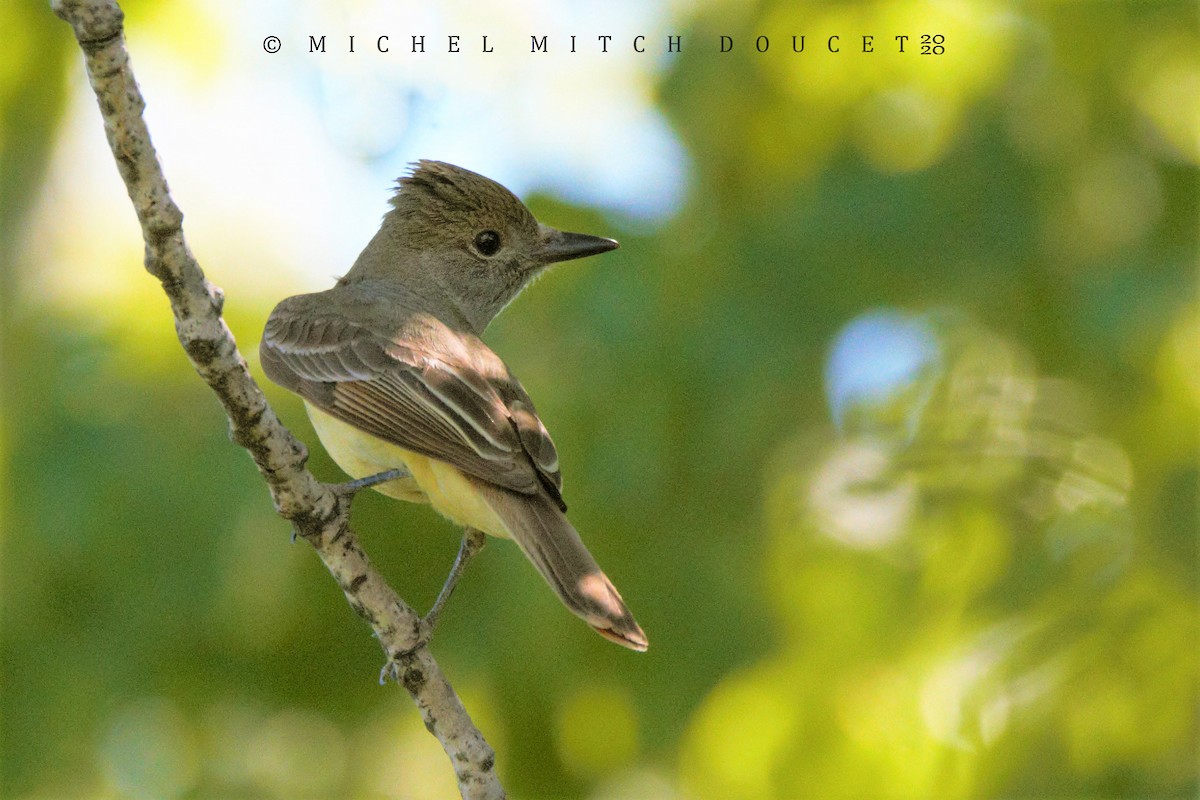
317 511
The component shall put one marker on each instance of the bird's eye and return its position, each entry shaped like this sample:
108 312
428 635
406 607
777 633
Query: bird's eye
487 242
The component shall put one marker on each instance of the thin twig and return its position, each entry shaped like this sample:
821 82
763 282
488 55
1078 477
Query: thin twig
319 515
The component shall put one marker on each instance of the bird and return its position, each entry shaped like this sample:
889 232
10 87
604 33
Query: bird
407 398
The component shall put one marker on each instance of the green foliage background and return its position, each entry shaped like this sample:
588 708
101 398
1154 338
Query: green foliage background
984 585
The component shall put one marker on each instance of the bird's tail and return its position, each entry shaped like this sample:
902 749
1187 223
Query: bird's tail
553 545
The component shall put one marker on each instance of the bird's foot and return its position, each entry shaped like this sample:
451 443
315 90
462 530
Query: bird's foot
394 667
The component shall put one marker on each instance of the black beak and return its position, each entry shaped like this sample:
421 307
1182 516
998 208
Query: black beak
562 246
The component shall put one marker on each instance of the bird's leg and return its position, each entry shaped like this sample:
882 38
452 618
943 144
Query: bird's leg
353 487
472 542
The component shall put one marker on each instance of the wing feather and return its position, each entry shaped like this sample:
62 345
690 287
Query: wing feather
412 393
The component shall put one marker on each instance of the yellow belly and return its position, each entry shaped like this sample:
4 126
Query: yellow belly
441 485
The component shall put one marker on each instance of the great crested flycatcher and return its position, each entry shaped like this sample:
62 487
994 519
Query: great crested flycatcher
395 377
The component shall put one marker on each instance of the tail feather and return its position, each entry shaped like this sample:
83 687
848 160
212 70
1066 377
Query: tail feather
553 545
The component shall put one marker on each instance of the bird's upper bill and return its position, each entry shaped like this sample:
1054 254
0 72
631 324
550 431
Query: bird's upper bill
556 245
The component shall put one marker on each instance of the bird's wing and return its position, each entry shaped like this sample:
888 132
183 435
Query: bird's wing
433 395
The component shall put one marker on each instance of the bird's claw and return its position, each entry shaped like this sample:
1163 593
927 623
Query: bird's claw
390 672
391 668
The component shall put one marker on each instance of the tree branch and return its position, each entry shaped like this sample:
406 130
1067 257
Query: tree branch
319 514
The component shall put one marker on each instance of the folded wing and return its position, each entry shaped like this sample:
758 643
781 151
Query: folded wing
435 394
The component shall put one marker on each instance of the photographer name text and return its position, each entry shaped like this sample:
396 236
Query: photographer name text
929 44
